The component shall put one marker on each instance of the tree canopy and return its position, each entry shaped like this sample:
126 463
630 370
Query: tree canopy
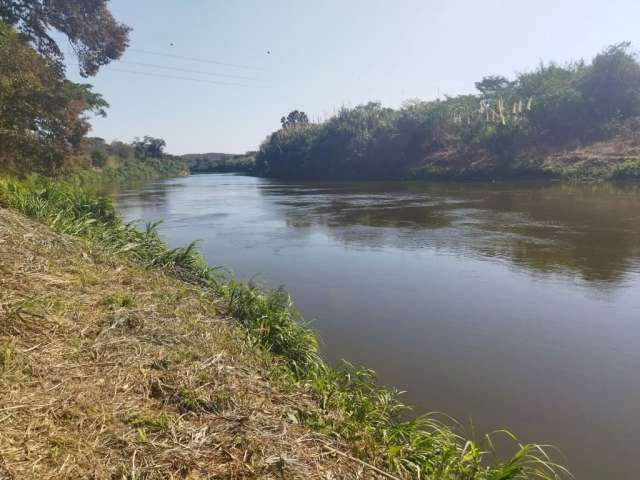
149 147
42 115
95 36
294 119
493 85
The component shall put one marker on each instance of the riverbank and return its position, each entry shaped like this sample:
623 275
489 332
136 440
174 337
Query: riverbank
614 156
613 159
563 121
115 172
127 172
112 370
128 292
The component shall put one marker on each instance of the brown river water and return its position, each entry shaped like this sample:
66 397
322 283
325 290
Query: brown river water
502 304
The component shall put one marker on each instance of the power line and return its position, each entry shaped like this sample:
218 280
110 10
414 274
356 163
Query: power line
110 69
215 62
188 70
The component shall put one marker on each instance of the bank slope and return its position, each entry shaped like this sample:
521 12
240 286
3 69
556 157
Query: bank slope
109 370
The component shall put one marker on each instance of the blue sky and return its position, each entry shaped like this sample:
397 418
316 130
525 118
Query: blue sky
325 54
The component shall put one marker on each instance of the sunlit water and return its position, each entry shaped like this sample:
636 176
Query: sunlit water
503 305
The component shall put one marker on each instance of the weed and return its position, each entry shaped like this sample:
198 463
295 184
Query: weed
118 301
151 422
7 355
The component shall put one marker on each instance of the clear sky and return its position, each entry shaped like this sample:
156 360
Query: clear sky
324 54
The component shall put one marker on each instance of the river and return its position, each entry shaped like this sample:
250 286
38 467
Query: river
501 304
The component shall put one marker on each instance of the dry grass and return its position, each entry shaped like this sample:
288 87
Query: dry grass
598 156
111 371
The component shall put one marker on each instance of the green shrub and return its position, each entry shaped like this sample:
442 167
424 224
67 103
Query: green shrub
98 158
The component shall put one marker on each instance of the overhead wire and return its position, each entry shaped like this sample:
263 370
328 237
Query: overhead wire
111 69
164 67
193 59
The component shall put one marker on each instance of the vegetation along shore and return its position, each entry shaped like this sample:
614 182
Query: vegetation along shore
577 121
131 359
121 358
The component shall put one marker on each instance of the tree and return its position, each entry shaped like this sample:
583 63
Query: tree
558 109
42 115
492 85
122 150
95 36
494 132
98 158
295 119
612 84
149 147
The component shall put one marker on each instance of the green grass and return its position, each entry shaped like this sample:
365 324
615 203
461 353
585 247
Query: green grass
128 171
72 210
350 404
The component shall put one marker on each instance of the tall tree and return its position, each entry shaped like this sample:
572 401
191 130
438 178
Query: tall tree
295 119
42 115
492 85
612 84
149 147
96 37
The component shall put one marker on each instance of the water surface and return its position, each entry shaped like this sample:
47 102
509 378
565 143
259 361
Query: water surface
503 305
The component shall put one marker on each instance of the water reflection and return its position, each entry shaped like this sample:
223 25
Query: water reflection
591 231
514 305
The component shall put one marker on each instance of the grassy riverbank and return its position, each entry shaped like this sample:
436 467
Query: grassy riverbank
130 171
115 171
185 372
615 158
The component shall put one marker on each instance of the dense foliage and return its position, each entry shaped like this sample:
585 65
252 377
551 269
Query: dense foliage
119 162
44 122
149 147
42 116
296 118
493 132
95 36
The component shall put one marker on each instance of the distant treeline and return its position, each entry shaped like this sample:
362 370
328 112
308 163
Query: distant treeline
219 162
505 129
144 159
44 117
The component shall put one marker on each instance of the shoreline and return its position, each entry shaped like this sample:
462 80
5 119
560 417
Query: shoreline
347 403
